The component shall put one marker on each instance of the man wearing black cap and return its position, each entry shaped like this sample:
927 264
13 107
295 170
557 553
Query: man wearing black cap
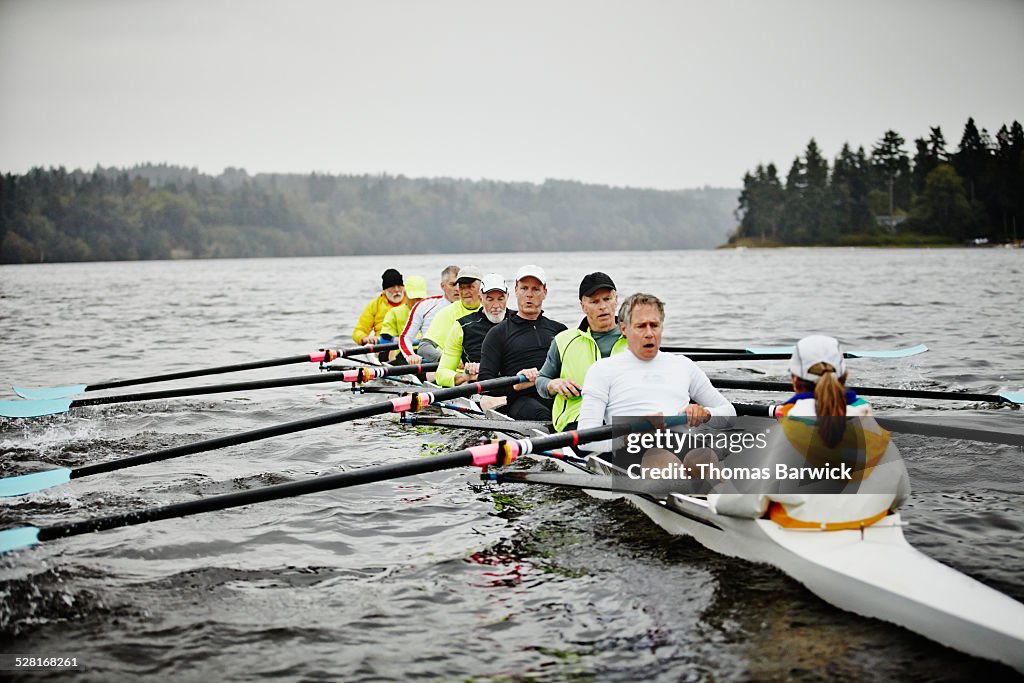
573 352
393 294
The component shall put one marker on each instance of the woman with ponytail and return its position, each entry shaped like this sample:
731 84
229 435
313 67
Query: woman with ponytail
823 425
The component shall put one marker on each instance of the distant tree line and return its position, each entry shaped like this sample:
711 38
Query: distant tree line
160 212
975 193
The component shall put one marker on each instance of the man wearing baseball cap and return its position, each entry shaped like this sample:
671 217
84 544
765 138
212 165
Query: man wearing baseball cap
573 351
460 356
519 344
468 281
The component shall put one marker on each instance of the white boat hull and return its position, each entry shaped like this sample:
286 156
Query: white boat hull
875 572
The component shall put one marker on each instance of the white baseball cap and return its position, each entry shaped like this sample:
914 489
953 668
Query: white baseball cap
815 349
532 271
493 281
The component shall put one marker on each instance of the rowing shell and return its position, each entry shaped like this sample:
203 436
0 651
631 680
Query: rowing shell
875 572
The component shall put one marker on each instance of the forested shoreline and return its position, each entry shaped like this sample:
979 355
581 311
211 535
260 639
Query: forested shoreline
974 195
162 212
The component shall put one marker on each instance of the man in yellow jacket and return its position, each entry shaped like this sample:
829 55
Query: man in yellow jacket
372 318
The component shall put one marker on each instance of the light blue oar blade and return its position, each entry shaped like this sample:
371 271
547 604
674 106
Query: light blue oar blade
34 408
36 481
894 353
40 393
16 539
890 353
1016 397
770 349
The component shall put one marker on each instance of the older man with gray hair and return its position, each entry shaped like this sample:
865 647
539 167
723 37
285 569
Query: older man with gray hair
641 381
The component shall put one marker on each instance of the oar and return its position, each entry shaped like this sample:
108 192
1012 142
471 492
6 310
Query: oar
321 356
482 456
37 481
62 405
781 352
1002 397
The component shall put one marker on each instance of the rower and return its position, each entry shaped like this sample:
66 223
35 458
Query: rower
460 357
522 341
468 281
391 296
573 351
396 318
823 407
642 381
422 314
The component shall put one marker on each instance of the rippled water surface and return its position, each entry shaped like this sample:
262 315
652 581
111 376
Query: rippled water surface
439 577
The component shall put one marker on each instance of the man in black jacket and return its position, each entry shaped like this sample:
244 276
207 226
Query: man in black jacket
519 344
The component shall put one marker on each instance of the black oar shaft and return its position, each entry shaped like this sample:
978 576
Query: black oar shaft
284 428
699 349
230 500
722 383
239 386
238 367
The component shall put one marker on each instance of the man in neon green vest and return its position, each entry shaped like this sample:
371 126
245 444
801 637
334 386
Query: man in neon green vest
573 351
468 281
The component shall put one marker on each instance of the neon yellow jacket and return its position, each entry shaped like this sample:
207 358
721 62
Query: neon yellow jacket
394 321
451 356
443 321
372 317
577 351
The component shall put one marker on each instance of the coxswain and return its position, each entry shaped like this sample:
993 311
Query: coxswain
519 344
460 356
393 295
823 423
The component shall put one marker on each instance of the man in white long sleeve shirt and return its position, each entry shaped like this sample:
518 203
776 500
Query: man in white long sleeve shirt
644 382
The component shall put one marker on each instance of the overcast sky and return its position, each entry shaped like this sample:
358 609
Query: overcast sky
664 94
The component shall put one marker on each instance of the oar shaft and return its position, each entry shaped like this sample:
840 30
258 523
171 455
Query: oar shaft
346 376
267 493
699 349
238 367
393 405
723 383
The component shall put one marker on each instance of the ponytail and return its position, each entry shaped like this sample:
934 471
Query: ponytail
829 402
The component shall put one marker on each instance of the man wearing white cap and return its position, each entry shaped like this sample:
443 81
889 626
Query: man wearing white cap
519 344
462 347
468 281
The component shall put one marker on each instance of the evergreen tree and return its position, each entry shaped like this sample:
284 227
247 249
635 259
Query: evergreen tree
892 166
929 154
851 178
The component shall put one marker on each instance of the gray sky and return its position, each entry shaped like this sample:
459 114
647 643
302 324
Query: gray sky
646 93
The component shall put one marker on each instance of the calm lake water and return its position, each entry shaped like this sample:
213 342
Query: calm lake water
438 577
